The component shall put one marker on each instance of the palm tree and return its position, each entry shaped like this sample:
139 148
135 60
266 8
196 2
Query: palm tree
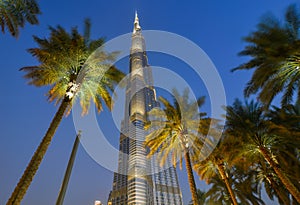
217 193
200 197
275 58
285 122
248 122
15 13
242 183
63 66
217 164
273 187
247 189
175 130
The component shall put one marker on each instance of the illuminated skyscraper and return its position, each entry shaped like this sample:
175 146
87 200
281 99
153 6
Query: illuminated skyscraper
133 183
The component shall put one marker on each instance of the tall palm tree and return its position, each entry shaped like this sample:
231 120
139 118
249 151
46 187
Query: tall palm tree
174 131
15 13
242 183
285 122
275 58
63 66
248 122
217 164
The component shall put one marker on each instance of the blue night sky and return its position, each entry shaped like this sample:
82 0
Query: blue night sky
215 26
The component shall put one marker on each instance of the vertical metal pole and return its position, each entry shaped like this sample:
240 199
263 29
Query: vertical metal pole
63 189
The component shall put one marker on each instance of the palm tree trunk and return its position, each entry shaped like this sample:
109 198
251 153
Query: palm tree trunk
191 177
285 180
63 189
225 179
279 193
32 167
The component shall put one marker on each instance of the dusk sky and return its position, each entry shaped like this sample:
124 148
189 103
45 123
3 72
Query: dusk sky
215 26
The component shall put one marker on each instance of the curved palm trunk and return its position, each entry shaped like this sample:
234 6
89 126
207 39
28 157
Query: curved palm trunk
225 179
280 195
286 181
38 156
191 178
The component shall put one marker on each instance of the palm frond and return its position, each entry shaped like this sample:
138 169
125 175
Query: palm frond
271 47
66 57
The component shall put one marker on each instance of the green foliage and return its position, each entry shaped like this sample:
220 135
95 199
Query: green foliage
217 194
242 183
73 69
260 146
201 196
265 175
274 52
15 13
251 129
269 144
249 123
72 58
175 129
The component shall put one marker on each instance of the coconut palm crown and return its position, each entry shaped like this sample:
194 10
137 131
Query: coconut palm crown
72 63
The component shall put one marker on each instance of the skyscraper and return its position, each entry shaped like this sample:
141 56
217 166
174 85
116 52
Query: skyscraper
140 180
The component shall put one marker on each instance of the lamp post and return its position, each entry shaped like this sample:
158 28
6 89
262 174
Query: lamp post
63 189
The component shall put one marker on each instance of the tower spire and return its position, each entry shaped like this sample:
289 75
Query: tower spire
134 182
137 26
